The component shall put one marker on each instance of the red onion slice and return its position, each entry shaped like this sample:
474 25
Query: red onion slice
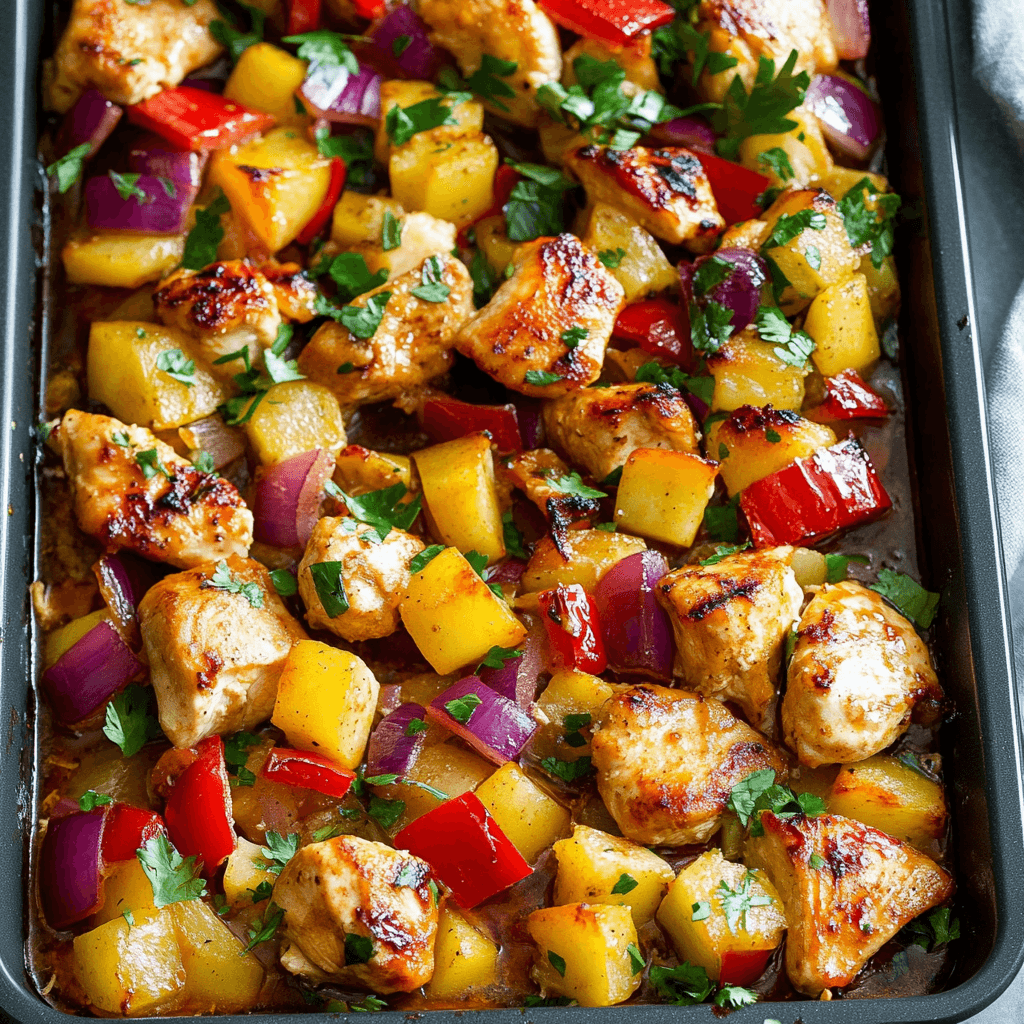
70 866
333 93
518 678
161 213
392 751
154 156
495 727
418 57
636 630
848 117
123 580
851 23
89 673
742 291
91 119
222 443
286 500
689 132
531 426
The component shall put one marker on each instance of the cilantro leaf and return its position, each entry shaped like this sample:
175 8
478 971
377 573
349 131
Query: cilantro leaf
173 362
391 232
815 862
131 720
325 48
355 150
370 1004
358 949
513 536
330 587
497 656
836 566
710 327
736 902
402 123
400 44
263 891
776 160
685 985
236 41
264 928
364 320
909 597
68 168
935 929
541 378
746 793
653 373
567 771
128 188
431 287
700 911
723 551
150 464
202 241
487 82
573 484
223 580
348 270
792 347
868 216
419 562
386 812
90 800
636 958
789 225
535 205
572 336
279 850
174 879
711 273
203 461
612 258
383 509
626 883
556 961
485 279
415 727
722 521
734 996
462 708
284 582
236 750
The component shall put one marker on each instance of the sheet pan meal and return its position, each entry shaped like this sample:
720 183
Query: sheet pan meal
477 552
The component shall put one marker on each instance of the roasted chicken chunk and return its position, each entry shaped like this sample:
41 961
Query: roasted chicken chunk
599 428
730 622
130 52
842 910
667 760
349 888
858 672
664 190
410 345
545 330
536 473
131 491
216 637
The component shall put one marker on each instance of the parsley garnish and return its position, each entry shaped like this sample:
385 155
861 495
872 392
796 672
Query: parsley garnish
485 279
654 373
711 273
759 792
128 188
236 754
348 270
933 930
419 562
90 800
541 378
789 225
723 551
363 321
168 186
402 123
734 996
792 347
736 902
611 258
330 587
358 949
909 597
497 656
391 232
383 509
685 985
68 168
130 719
711 327
431 287
722 521
415 727
203 461
815 862
284 582
870 223
400 44
223 580
557 962
776 160
356 150
636 958
772 436
325 48
487 82
513 536
567 771
150 464
386 812
202 241
573 724
238 42
279 850
675 43
371 1004
745 794
174 879
264 928
574 485
534 206
174 364
462 708
262 892
813 256
626 883
836 566
572 336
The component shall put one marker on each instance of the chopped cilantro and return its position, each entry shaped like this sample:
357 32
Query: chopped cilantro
279 850
653 373
358 949
128 188
573 484
264 928
685 985
236 41
912 600
202 241
391 232
223 580
535 205
611 258
557 962
90 800
734 996
813 256
776 160
626 883
485 279
513 536
173 362
349 272
736 902
402 123
572 336
131 720
567 771
836 566
174 879
415 727
284 582
722 521
419 562
487 82
400 44
330 587
68 168
711 327
541 378
789 225
364 320
371 1004
462 708
711 273
356 150
772 436
431 287
384 510
497 656
792 347
325 48
636 958
746 793
868 216
386 812
931 930
150 464
263 891
700 911
815 862
723 551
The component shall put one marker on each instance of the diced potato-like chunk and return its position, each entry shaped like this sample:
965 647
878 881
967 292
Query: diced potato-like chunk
468 115
841 179
464 958
754 443
359 219
887 794
701 917
568 693
295 417
582 953
803 147
458 484
265 78
275 183
883 287
524 812
843 328
643 269
121 259
595 867
453 617
243 873
126 887
662 494
747 372
325 702
361 470
585 557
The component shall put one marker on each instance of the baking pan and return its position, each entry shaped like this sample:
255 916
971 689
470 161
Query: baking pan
958 537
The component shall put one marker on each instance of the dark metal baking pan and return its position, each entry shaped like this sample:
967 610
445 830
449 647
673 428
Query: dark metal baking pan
957 528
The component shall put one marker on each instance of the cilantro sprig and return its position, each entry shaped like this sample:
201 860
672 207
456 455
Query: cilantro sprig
330 587
68 168
486 82
223 579
760 792
402 123
175 879
792 347
234 39
326 49
535 205
131 720
909 597
687 985
202 241
654 373
384 510
868 216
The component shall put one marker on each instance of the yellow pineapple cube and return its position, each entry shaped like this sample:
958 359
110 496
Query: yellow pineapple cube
295 417
464 958
843 328
642 268
121 259
567 693
747 372
803 147
467 115
266 78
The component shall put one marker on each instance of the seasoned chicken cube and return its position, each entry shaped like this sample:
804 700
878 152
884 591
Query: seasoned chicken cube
551 319
422 235
599 428
751 29
730 622
294 291
865 887
131 491
532 472
667 760
358 913
374 577
226 307
410 346
664 190
517 31
217 637
130 52
858 671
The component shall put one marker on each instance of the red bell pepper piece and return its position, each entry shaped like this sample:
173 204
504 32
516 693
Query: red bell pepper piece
369 8
199 817
191 118
573 628
466 849
831 490
445 419
323 214
847 397
609 21
505 179
743 967
303 16
126 829
735 188
310 771
659 327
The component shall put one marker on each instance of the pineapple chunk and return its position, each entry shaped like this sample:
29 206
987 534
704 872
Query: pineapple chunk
585 557
123 375
295 417
266 78
803 146
468 115
359 219
126 888
662 495
887 794
557 140
841 323
464 958
325 702
361 470
568 693
530 818
582 953
595 867
493 241
274 183
121 259
643 269
243 873
754 443
841 179
747 372
883 287
453 617
458 484
724 918
450 177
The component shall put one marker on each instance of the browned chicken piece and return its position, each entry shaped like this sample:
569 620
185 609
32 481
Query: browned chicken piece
599 428
730 622
532 472
180 516
667 760
411 345
664 190
129 51
294 291
217 638
517 31
520 337
374 576
751 29
858 672
842 910
422 235
353 887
